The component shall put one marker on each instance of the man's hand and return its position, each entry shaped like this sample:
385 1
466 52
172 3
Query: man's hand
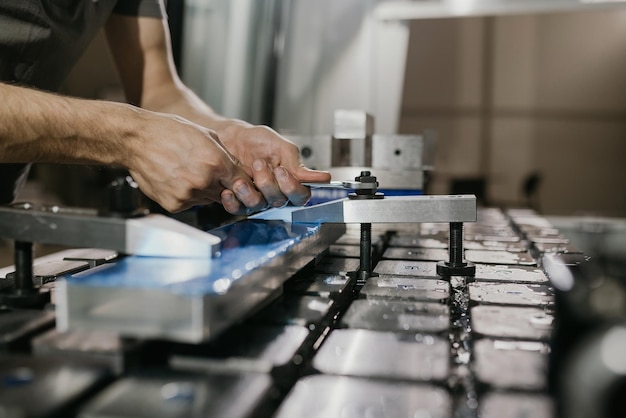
271 161
180 164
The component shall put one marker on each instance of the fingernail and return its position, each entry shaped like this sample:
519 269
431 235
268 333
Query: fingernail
228 197
258 165
280 173
243 189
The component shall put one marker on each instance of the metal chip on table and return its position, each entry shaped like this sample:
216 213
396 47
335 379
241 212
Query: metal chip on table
180 394
326 285
356 352
323 396
498 273
422 254
512 322
512 293
511 364
515 405
397 316
337 265
499 257
406 288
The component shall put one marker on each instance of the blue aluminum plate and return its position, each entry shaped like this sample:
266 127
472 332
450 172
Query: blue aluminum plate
246 245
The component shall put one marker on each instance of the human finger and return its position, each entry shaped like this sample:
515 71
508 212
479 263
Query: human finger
243 198
291 187
265 181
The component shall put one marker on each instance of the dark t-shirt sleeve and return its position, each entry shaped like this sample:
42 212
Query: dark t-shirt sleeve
145 8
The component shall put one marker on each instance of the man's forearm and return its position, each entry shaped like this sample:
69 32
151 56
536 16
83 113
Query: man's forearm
36 126
177 99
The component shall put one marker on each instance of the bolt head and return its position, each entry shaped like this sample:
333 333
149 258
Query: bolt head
446 269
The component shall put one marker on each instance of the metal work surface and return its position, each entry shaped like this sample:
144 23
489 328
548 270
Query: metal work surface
407 343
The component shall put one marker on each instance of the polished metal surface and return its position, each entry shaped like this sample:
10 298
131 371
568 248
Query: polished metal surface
330 285
525 294
152 235
192 299
500 257
407 288
516 405
397 316
306 311
357 352
528 323
324 396
407 268
250 348
182 395
46 386
106 348
505 273
512 364
392 209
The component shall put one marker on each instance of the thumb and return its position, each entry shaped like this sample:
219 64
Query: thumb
305 174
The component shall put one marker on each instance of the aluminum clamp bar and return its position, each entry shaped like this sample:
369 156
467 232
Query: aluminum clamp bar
392 209
151 235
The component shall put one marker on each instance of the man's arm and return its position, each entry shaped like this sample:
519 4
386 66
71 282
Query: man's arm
175 162
36 126
141 50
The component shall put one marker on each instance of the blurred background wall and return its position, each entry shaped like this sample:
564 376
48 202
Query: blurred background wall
522 99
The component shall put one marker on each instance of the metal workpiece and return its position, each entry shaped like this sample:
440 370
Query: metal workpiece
352 138
391 209
191 300
151 235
